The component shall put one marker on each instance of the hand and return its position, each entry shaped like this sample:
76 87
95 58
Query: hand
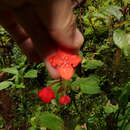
39 26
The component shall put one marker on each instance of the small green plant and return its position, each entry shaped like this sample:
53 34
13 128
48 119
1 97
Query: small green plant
18 74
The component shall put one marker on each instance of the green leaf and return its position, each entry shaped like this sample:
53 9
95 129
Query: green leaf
128 37
92 120
92 64
78 127
88 31
109 108
128 47
21 85
120 38
127 127
88 85
126 2
32 128
31 74
102 48
51 121
11 70
5 84
115 11
56 87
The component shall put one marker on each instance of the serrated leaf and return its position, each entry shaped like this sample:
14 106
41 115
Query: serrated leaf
92 64
115 11
31 74
120 38
88 85
5 84
11 70
51 121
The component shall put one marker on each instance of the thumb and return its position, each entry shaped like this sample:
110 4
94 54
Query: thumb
71 39
58 19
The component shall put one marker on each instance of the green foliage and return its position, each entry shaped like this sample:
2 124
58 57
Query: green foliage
31 74
88 85
100 88
127 127
1 122
12 70
91 64
114 11
109 108
46 120
120 38
19 74
78 127
5 84
51 121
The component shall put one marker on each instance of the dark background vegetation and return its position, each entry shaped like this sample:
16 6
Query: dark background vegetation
100 88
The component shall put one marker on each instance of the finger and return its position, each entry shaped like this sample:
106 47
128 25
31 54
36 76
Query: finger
71 39
8 21
52 71
42 42
58 18
32 25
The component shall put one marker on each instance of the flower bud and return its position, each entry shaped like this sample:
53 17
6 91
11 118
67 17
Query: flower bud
46 94
64 99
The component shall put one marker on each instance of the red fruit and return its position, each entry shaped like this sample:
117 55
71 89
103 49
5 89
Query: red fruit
64 62
46 94
64 99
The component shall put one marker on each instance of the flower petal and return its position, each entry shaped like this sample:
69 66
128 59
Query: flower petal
66 71
75 60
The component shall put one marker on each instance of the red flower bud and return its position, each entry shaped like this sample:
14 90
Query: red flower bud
64 99
46 94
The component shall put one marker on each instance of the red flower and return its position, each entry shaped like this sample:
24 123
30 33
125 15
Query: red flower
64 62
46 94
64 99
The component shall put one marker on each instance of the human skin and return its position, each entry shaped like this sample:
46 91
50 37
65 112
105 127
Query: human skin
40 26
